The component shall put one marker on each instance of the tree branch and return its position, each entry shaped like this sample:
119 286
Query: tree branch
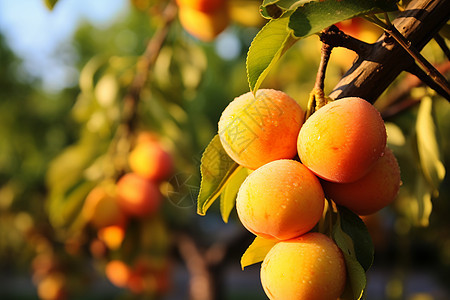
370 76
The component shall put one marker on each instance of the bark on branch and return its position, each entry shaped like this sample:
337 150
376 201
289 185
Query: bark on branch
371 75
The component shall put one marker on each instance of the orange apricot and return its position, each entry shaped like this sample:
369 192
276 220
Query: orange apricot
101 209
204 26
112 236
309 267
375 190
280 200
206 6
149 160
138 196
118 272
255 130
342 141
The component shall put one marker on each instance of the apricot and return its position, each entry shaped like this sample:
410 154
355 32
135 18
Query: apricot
101 209
343 140
204 26
308 267
137 196
280 200
112 236
206 6
118 272
149 160
375 190
255 130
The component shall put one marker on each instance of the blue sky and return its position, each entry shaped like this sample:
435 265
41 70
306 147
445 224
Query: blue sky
34 33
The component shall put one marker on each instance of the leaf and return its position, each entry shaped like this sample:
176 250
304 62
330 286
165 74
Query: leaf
352 237
228 196
357 230
257 251
272 9
50 3
271 42
430 155
316 16
216 169
421 205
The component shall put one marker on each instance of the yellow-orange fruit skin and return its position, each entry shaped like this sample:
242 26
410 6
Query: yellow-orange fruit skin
138 196
101 209
149 160
204 26
206 6
257 130
309 267
341 141
280 200
375 190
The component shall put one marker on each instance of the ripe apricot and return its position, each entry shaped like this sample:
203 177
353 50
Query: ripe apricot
149 160
375 190
206 6
101 209
118 272
308 267
280 200
137 196
255 130
341 141
204 26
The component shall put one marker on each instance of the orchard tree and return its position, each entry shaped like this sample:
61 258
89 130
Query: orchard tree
305 161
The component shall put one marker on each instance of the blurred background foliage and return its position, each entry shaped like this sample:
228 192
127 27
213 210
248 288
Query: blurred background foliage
55 146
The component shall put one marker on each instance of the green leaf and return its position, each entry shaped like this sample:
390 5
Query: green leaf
257 251
316 16
347 231
273 9
228 196
352 224
271 42
50 3
428 146
216 169
421 205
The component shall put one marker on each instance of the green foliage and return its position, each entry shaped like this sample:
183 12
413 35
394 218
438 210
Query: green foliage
267 47
353 239
228 196
217 169
50 3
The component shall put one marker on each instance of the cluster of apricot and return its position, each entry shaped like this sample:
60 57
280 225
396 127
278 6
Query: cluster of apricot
339 153
110 206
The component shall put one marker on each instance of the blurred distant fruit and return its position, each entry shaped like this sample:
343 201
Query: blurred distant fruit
118 273
206 6
360 29
138 196
52 287
204 26
149 160
101 209
112 236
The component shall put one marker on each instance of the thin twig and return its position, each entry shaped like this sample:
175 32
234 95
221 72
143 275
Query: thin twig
441 42
419 73
430 70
